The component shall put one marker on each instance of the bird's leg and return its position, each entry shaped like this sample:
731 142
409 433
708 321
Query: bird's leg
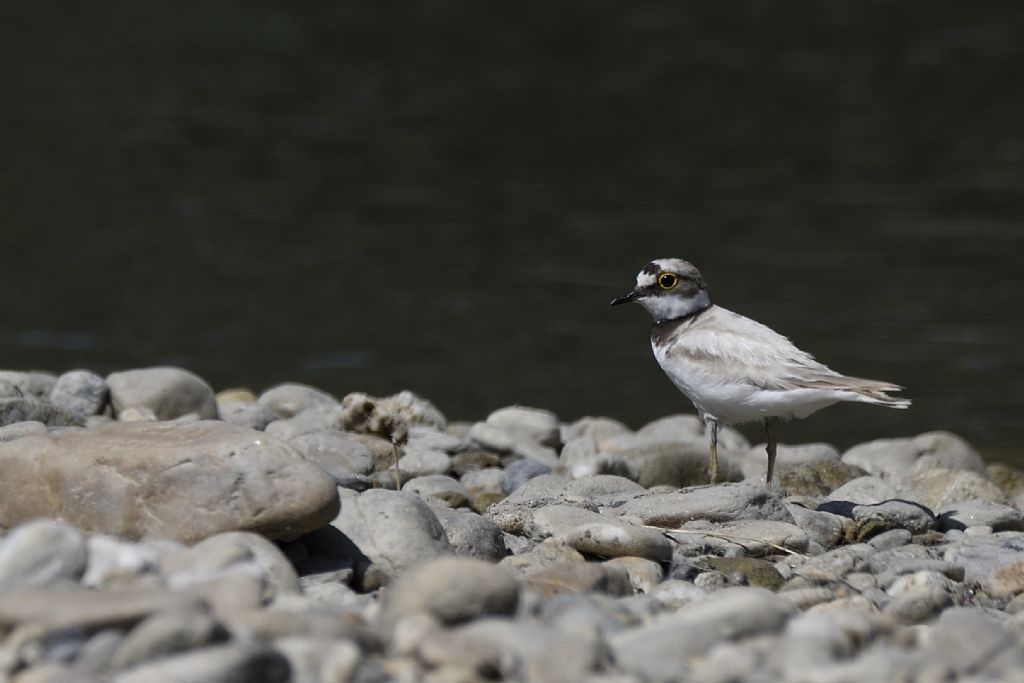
712 426
769 423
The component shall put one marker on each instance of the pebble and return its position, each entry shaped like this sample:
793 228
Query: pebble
453 590
559 580
80 392
168 392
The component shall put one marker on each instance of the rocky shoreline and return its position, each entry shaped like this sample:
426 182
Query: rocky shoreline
154 530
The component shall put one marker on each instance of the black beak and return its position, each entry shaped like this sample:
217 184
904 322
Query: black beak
632 296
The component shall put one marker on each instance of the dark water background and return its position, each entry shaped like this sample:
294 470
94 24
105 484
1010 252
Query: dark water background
445 196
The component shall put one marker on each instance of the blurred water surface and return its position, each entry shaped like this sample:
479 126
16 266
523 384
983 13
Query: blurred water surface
445 196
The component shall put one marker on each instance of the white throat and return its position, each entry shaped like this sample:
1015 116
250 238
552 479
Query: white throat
668 307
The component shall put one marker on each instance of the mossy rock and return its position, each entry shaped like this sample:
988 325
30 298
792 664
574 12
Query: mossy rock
759 573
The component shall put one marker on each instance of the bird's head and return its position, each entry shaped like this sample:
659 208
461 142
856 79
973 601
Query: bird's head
669 288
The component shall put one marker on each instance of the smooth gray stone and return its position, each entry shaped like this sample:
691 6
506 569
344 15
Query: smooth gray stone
337 453
824 528
982 556
114 561
314 660
896 514
315 419
231 663
787 456
95 655
395 531
755 537
80 392
860 491
920 596
941 488
164 634
723 503
498 440
41 552
687 427
427 438
419 462
220 552
674 593
453 590
889 570
969 643
663 649
517 650
670 463
609 539
970 513
898 458
595 428
833 565
539 425
86 608
33 384
287 400
168 391
555 520
246 414
483 481
576 613
894 538
518 472
183 481
438 488
472 535
31 409
17 430
515 513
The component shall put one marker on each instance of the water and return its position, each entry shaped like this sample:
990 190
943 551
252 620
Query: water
445 197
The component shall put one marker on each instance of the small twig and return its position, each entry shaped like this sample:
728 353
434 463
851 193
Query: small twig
724 537
398 472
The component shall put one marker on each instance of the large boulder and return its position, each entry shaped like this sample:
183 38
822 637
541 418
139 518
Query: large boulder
183 481
167 391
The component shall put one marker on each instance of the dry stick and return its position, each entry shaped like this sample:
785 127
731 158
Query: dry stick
398 472
724 537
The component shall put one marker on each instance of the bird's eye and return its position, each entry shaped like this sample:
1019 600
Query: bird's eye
668 280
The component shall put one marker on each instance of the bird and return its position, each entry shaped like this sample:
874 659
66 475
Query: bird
733 369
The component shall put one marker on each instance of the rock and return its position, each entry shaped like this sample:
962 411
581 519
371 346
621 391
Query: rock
643 574
755 572
892 514
577 577
538 425
969 645
981 512
87 609
816 478
723 503
484 487
288 400
603 539
498 440
894 538
832 566
318 419
824 528
217 664
595 428
756 538
183 481
336 453
313 660
165 634
80 393
981 556
472 460
422 463
31 384
1010 480
668 463
39 553
471 535
428 438
755 461
674 593
30 409
940 488
114 562
395 531
516 514
919 596
439 488
391 416
860 491
207 558
453 590
246 413
19 429
1007 580
169 392
142 414
518 472
663 649
899 458
689 428
552 520
501 649
540 557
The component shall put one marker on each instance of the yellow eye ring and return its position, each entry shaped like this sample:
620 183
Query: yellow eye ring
668 280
